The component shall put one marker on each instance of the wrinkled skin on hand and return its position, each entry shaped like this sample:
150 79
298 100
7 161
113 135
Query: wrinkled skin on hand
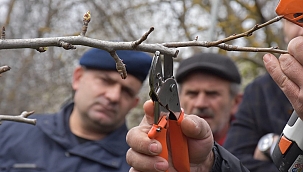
143 154
287 73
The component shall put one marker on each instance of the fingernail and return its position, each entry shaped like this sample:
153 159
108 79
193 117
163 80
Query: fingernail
160 166
267 58
153 148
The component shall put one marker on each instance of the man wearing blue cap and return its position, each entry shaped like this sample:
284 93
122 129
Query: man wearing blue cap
87 134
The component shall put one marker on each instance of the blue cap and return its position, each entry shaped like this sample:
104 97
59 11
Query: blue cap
137 63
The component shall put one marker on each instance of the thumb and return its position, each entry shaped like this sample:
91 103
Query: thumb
148 119
200 138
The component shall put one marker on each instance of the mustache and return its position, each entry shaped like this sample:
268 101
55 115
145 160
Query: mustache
203 113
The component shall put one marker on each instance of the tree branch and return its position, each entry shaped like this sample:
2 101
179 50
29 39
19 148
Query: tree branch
69 42
20 118
4 69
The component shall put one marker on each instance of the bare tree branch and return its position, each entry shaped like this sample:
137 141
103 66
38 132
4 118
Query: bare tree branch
4 69
85 41
164 48
232 37
20 118
168 48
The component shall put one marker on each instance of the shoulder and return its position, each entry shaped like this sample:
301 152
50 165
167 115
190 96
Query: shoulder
262 82
266 78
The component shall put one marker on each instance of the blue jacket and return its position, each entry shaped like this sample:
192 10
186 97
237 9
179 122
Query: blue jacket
50 146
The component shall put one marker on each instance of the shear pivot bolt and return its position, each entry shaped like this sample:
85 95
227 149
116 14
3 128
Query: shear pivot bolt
172 86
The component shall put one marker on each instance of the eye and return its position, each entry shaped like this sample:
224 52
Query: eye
212 93
128 92
191 93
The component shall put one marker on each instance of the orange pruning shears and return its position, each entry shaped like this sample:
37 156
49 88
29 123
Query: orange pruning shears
291 10
167 113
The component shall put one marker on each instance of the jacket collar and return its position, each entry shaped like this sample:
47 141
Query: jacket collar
57 128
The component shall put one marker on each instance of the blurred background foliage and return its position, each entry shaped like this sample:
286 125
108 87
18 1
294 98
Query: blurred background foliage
42 81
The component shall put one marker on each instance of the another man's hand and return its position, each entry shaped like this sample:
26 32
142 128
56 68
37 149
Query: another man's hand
143 154
287 72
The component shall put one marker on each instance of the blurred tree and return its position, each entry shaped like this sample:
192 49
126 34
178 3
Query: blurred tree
41 81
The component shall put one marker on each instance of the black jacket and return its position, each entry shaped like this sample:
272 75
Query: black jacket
226 162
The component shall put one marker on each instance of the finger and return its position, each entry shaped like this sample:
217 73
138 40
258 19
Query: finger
292 69
292 64
290 88
295 48
199 133
141 162
138 140
274 69
195 127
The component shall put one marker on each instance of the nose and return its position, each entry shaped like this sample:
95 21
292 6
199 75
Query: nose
201 101
113 93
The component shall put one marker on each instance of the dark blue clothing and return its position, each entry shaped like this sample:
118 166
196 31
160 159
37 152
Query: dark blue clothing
264 109
51 147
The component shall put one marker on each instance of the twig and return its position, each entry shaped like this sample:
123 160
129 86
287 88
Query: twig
4 69
20 118
245 34
120 66
86 20
3 33
143 38
228 47
223 46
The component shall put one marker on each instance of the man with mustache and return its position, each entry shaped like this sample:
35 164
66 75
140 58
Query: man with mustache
210 87
89 133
